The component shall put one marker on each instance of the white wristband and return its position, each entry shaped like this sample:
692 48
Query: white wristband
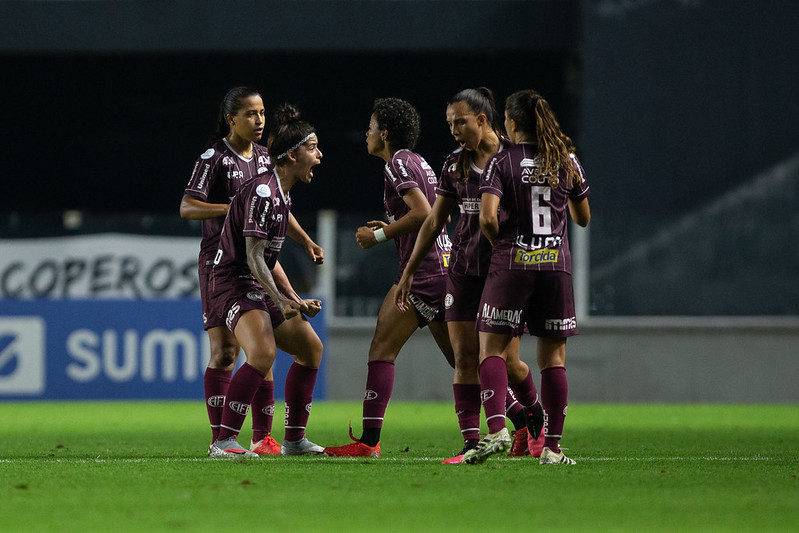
380 235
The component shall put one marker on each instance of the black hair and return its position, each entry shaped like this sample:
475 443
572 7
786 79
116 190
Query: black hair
479 100
230 105
400 119
289 130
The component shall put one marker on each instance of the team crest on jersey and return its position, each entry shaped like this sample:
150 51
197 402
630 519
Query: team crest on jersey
263 191
255 296
208 154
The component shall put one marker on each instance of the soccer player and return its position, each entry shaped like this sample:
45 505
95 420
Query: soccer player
408 194
529 282
251 239
233 158
475 124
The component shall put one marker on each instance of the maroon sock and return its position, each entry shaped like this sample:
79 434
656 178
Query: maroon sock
525 391
554 395
514 410
300 383
215 382
263 410
493 390
379 385
467 407
242 389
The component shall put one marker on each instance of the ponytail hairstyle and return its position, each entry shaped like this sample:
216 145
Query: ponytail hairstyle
554 148
288 133
230 105
400 119
479 100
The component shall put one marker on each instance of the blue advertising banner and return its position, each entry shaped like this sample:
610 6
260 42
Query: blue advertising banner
112 349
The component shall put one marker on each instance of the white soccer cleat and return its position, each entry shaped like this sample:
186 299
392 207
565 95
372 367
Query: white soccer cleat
300 447
229 448
492 443
548 457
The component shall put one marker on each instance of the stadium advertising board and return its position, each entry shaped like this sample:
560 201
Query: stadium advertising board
139 339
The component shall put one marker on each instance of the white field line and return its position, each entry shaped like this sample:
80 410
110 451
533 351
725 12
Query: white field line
375 460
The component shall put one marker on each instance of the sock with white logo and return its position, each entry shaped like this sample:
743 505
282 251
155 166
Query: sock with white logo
554 394
243 386
379 386
215 383
263 410
493 387
467 408
514 410
300 382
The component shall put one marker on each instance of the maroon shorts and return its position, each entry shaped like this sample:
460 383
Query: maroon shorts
232 297
427 298
210 320
463 297
544 301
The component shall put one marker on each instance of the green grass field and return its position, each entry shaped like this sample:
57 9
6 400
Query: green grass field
141 466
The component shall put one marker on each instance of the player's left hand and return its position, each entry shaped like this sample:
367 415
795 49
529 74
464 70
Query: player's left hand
315 252
366 234
311 307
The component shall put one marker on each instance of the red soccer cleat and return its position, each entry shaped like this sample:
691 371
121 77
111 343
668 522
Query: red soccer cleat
356 449
520 446
536 446
265 446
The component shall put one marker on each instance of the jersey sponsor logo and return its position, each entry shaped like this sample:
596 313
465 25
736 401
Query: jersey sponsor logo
486 394
201 183
402 169
207 154
531 171
370 395
255 296
22 355
470 206
239 407
228 161
560 324
537 243
523 257
231 316
427 312
263 191
216 401
501 317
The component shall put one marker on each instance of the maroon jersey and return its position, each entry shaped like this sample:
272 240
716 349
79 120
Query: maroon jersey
533 231
407 170
218 173
471 251
259 209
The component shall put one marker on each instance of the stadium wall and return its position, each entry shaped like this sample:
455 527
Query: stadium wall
640 359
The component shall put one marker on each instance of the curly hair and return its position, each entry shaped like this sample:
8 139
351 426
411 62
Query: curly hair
533 115
400 119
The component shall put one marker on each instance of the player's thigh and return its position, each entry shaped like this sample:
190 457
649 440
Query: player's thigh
393 329
254 333
297 338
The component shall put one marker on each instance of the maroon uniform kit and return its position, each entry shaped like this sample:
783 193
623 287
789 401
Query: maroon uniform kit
532 239
260 209
407 170
218 173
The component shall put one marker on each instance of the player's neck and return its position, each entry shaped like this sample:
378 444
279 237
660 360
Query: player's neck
242 146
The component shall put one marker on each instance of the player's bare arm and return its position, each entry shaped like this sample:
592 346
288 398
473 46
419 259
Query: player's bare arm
296 233
257 264
489 221
194 209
